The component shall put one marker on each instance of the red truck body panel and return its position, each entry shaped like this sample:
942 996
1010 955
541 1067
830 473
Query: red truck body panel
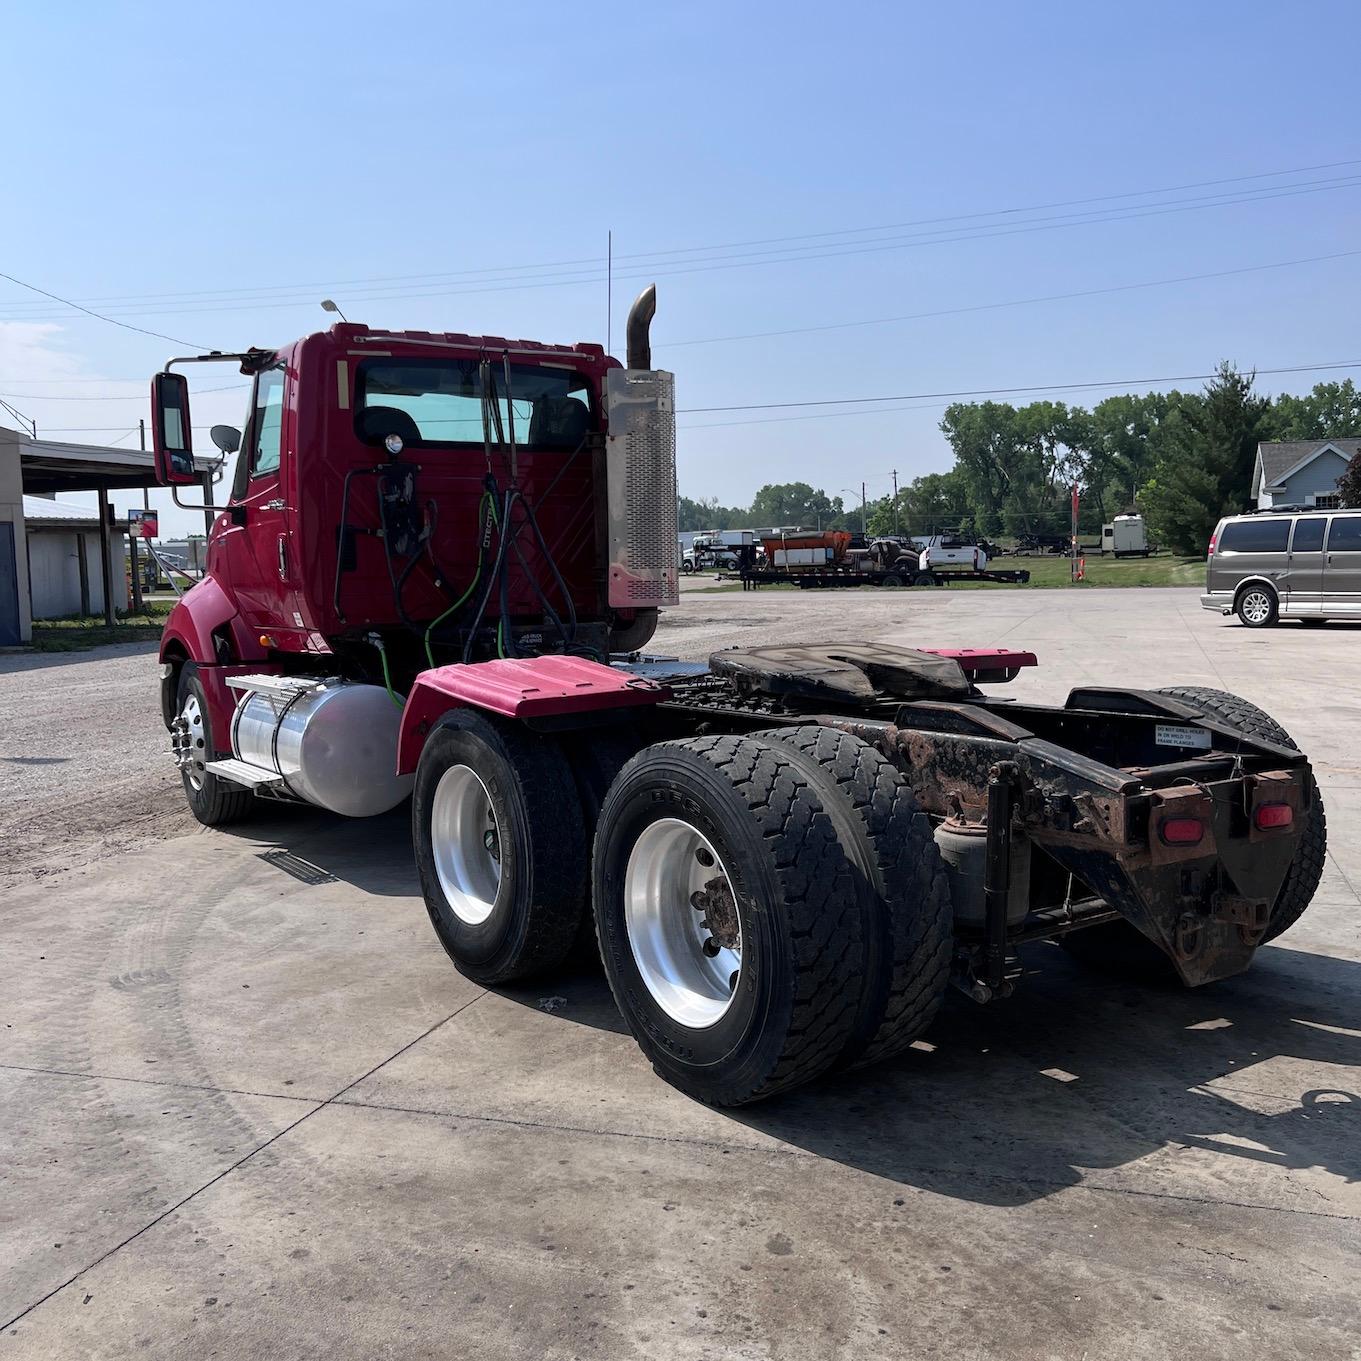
523 688
273 552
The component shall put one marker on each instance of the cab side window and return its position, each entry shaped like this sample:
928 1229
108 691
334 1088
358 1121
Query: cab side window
1345 534
1308 536
267 423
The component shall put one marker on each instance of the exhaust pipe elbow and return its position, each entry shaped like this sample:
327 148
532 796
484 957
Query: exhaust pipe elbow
639 352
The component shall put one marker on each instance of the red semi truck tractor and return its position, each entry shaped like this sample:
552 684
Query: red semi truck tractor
432 577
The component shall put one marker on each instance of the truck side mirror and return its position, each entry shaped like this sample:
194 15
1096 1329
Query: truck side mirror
170 430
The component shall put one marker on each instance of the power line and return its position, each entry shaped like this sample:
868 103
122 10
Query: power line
1011 302
119 397
754 259
98 316
1000 212
1009 391
593 260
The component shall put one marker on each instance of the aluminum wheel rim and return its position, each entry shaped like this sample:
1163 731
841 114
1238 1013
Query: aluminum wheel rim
193 755
670 863
467 844
1256 607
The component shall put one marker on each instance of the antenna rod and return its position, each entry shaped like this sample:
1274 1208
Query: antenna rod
609 289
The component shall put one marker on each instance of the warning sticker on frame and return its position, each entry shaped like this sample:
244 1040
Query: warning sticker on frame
1169 735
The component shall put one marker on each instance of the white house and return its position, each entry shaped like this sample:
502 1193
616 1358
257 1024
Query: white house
1300 472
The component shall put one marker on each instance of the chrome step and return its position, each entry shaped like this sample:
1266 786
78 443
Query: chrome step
284 687
240 772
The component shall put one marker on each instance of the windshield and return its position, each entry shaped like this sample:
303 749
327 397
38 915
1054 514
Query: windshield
433 402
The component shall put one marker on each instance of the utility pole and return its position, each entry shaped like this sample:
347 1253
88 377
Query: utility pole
895 503
864 514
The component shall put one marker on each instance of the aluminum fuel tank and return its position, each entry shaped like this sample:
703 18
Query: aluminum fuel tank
335 745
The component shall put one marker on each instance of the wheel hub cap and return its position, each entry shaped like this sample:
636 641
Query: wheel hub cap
684 924
188 742
467 844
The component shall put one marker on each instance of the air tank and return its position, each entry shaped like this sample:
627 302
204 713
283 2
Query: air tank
964 848
335 745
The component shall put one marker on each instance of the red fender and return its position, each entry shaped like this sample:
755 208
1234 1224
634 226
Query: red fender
523 688
200 611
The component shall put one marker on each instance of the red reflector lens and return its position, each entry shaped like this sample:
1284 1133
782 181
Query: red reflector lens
1271 815
1181 831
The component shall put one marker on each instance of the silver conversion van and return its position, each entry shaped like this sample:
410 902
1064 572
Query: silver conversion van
1285 565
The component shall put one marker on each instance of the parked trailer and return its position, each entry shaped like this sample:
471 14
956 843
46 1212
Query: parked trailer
439 555
906 574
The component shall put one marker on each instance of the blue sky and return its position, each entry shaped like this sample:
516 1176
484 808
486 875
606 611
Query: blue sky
168 160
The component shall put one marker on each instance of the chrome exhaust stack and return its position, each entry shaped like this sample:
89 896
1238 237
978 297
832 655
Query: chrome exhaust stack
638 354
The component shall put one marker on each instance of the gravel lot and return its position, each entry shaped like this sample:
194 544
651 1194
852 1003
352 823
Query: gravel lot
248 1108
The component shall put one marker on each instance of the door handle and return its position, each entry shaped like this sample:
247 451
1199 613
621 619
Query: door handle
283 558
277 503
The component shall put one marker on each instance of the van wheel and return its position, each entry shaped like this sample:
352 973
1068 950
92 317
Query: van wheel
1257 607
500 847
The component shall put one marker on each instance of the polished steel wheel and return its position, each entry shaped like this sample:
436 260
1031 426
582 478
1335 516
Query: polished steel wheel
189 743
467 844
1255 607
683 923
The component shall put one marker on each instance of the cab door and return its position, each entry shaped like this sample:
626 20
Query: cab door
1304 566
1342 567
257 543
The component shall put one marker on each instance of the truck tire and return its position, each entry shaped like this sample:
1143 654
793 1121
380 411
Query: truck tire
215 802
892 581
500 847
926 579
636 633
1257 606
687 566
596 756
761 992
1306 869
1117 947
892 845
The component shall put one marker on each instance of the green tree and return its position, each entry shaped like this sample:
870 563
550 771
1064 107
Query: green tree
706 513
926 504
1329 411
796 503
1349 484
1204 455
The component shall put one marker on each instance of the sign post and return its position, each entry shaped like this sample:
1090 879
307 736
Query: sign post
1073 572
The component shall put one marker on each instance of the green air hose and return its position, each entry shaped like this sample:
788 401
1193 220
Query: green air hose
472 585
377 641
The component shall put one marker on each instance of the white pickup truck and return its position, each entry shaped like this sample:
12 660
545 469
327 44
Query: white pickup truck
945 550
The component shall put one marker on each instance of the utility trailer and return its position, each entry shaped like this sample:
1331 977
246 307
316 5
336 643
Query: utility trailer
904 573
438 560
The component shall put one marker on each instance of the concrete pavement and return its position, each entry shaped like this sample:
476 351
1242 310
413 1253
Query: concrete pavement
251 1110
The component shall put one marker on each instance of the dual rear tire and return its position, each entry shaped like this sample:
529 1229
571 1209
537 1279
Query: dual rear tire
768 907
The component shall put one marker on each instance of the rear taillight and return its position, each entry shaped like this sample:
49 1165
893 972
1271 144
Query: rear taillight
1271 816
1210 552
1181 831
